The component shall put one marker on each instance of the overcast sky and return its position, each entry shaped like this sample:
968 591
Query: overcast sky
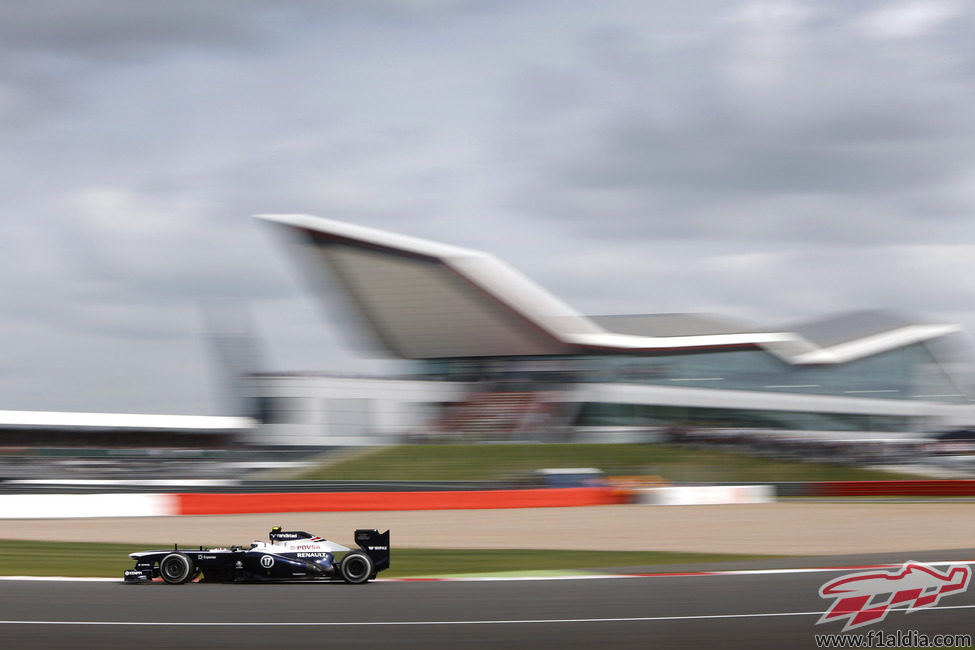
772 161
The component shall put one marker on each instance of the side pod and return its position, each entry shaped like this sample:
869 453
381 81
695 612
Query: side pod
375 545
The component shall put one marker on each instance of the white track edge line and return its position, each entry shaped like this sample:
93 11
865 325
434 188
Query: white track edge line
530 621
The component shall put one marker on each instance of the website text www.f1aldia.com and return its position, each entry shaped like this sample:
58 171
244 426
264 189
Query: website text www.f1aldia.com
896 639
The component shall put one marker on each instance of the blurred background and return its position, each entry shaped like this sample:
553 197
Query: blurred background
796 175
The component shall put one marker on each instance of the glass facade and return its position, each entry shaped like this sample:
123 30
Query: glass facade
652 415
907 373
910 372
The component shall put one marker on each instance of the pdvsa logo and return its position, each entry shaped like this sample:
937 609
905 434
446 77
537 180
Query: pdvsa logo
867 597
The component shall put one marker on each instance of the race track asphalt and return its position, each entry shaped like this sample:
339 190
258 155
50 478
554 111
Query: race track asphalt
750 610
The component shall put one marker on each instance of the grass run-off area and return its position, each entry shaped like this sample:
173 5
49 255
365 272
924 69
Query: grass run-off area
18 557
504 461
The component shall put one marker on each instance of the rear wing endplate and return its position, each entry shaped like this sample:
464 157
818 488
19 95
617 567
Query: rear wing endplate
375 545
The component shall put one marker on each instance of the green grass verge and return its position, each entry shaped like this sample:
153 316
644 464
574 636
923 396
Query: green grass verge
110 560
27 558
428 562
487 462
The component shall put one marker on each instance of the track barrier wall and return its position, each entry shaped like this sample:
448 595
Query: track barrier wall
906 488
704 495
56 506
211 504
70 506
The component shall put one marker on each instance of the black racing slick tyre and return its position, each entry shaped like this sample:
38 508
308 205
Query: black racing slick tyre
176 568
356 568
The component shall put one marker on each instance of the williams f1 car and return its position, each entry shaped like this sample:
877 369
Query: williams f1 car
291 555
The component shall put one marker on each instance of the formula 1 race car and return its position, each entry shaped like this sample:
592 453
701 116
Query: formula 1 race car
291 556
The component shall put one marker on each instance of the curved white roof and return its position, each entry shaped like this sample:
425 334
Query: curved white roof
427 300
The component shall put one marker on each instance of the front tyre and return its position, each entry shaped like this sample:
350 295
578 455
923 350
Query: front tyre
176 568
356 568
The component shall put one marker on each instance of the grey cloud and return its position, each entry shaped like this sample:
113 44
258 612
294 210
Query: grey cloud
851 133
108 29
638 157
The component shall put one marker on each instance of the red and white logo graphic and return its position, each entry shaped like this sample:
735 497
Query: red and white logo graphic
865 598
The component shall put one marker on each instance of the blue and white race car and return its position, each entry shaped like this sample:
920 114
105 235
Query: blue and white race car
291 555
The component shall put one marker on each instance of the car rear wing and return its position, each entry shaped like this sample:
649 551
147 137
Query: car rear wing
375 545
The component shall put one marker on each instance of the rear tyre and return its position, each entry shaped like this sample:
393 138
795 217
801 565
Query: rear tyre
356 568
176 568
